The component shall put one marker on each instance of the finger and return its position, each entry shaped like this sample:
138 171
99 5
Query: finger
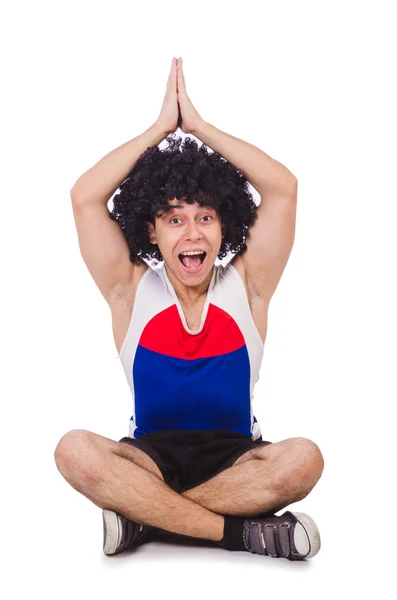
173 68
171 84
181 77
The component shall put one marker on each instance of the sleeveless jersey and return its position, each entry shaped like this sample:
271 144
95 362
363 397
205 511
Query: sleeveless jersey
192 380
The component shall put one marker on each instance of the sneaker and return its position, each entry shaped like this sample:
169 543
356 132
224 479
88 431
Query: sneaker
119 533
292 535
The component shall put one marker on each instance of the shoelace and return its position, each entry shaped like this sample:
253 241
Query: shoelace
269 539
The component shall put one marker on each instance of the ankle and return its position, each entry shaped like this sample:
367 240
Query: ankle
233 533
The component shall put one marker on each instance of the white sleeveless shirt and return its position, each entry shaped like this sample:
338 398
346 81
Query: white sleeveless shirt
192 380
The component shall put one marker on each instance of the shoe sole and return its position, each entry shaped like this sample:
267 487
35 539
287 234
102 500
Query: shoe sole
312 533
111 531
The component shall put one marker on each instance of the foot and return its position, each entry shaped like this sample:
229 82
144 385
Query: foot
292 535
119 533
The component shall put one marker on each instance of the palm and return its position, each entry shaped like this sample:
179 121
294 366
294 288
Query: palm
189 119
180 124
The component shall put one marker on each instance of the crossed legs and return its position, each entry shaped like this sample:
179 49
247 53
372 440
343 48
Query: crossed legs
265 479
122 478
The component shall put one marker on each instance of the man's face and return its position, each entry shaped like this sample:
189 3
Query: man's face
187 227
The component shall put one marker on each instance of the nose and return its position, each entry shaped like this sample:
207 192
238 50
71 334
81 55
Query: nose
193 231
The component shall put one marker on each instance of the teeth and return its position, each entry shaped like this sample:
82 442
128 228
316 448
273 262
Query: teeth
191 253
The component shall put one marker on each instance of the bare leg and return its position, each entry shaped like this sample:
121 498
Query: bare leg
265 479
91 465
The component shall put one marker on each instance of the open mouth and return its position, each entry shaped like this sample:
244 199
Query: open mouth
193 264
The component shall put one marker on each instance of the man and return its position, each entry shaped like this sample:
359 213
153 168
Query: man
190 337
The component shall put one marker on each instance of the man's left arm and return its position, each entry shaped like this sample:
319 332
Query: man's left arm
270 239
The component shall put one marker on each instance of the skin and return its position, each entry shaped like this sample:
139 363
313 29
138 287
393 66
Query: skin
191 226
177 106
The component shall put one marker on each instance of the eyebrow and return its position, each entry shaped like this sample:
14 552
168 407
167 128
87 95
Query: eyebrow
165 213
172 206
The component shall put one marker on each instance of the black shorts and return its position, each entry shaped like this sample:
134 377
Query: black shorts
187 458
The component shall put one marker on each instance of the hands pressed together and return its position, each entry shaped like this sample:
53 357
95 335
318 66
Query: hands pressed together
177 109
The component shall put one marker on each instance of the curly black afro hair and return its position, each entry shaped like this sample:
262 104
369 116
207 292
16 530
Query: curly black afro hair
189 172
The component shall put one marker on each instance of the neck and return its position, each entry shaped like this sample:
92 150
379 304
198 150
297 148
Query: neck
190 294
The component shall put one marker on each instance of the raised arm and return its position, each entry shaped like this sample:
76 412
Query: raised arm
102 243
270 239
100 182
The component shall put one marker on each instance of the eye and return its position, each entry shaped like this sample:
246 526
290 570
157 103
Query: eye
177 218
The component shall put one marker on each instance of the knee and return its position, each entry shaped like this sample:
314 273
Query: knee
75 455
305 464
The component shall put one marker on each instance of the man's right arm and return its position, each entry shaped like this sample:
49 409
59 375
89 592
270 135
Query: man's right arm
100 182
102 243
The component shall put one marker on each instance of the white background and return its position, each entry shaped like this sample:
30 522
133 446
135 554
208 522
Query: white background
311 84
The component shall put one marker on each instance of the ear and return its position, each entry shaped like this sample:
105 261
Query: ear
151 232
223 230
